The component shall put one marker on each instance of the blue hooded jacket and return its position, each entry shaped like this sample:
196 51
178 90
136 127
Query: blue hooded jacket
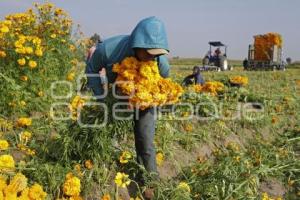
149 33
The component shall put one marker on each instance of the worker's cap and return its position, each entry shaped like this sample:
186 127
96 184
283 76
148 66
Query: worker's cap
157 52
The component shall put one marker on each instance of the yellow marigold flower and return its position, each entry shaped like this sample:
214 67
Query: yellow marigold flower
75 198
24 78
197 88
213 87
72 47
122 180
24 121
184 186
40 93
2 54
71 186
36 192
88 164
32 64
159 158
124 158
106 197
239 80
77 167
6 162
53 35
26 135
38 52
4 145
21 50
265 196
17 184
29 50
4 29
21 61
188 127
71 76
22 103
77 102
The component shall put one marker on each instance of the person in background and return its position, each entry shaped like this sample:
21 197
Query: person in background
218 52
245 63
194 78
95 39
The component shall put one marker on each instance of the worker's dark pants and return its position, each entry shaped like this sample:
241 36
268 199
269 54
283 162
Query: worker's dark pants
144 130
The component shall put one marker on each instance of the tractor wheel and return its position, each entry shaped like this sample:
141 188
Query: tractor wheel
223 64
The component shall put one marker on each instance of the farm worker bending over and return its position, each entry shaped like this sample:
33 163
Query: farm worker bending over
148 41
194 78
95 39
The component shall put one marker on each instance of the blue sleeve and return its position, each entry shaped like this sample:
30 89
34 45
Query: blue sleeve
94 65
163 65
199 79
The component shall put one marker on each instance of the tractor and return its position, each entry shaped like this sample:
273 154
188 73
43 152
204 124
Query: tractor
215 60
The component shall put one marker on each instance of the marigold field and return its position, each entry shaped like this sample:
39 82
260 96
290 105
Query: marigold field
226 148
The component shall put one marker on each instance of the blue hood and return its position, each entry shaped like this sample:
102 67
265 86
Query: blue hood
149 33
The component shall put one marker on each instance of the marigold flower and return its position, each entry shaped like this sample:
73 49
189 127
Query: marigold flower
40 93
6 162
38 52
29 50
75 198
4 29
71 76
106 197
122 180
4 144
159 158
32 64
53 36
239 80
21 61
36 192
72 47
2 54
72 185
26 135
184 186
88 164
124 158
17 184
188 127
24 121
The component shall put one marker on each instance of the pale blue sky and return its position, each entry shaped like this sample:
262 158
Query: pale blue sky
190 24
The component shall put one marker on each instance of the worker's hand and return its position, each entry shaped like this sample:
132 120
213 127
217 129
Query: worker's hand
102 72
